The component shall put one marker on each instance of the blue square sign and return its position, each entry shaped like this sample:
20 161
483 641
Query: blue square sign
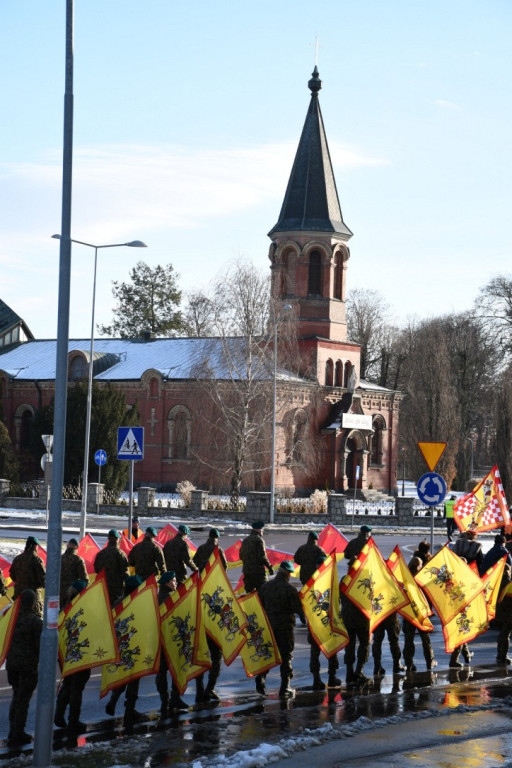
130 443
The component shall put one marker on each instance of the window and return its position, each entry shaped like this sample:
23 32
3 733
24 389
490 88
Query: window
179 425
376 446
346 375
315 274
338 380
77 368
329 373
338 276
153 388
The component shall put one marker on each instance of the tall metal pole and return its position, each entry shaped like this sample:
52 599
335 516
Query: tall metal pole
83 515
403 471
45 702
274 401
286 308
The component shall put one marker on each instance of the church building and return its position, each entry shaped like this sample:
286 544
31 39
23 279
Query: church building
351 424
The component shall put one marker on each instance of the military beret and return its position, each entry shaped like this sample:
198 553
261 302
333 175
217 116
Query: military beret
132 582
113 534
135 519
313 535
366 529
167 576
214 534
184 529
31 541
287 566
258 525
151 531
79 585
320 559
73 543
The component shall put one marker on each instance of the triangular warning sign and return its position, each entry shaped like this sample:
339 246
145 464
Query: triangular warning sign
130 446
432 452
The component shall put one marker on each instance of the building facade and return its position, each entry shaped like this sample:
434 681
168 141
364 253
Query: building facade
332 430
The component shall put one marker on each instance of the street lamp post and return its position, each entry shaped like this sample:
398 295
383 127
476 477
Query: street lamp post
470 441
132 244
403 471
286 308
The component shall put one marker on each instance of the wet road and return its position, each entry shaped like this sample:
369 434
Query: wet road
243 720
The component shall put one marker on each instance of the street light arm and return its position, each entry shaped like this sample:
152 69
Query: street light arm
131 244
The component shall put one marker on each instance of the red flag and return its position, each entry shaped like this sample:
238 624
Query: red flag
232 554
41 551
88 549
4 566
277 556
485 508
331 538
125 545
169 532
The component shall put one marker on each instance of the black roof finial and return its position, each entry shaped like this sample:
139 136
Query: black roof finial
315 83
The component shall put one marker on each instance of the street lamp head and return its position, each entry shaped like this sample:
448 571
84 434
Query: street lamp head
136 244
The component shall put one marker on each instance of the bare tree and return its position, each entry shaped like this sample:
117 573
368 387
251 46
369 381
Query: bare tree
494 307
503 420
367 316
198 315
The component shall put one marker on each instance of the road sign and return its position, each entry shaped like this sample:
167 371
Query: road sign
100 457
46 458
431 489
432 452
130 443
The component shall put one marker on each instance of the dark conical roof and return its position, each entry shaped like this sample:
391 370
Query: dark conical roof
311 201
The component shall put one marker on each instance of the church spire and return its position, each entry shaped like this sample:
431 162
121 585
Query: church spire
311 201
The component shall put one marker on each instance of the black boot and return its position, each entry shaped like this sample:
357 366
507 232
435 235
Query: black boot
60 709
318 684
285 692
454 660
200 688
176 702
398 667
261 686
110 707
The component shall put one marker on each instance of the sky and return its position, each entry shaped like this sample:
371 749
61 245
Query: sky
186 120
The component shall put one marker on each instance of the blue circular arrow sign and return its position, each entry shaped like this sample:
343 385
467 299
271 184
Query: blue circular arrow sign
431 488
100 457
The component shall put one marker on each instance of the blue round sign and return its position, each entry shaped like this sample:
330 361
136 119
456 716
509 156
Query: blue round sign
431 489
100 457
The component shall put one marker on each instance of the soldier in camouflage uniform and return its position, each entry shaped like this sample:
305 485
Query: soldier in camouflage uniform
255 562
201 557
177 554
310 556
72 687
281 602
28 572
115 564
21 665
72 568
146 556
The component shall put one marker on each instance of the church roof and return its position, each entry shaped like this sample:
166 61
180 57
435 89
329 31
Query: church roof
311 201
129 359
9 318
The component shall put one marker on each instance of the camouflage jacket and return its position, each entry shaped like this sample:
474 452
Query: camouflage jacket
281 602
72 568
253 554
203 552
307 557
28 572
177 557
115 564
23 654
147 559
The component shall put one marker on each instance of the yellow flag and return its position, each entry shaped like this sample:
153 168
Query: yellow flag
223 617
260 653
449 583
371 586
7 622
322 608
86 630
137 626
485 508
492 582
418 610
179 633
469 622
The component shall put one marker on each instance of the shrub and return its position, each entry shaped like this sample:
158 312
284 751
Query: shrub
185 489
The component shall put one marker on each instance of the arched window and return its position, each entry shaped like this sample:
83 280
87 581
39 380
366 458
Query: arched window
346 374
23 419
377 441
153 388
179 426
298 447
338 379
329 373
78 368
315 274
338 276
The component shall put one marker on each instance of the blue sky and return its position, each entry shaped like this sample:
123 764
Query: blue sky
187 117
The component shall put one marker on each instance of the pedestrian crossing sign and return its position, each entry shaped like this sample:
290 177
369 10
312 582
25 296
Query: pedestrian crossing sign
130 443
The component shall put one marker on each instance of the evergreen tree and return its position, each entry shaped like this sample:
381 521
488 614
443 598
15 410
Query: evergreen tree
8 460
148 304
